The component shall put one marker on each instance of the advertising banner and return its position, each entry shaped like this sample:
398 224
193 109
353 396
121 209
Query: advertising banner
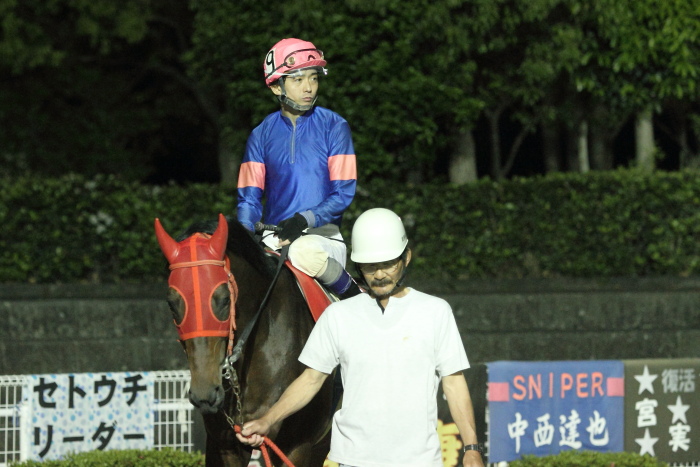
89 411
543 408
662 409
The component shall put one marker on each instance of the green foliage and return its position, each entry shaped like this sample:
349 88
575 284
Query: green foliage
589 459
97 86
93 86
28 41
602 224
74 229
125 458
643 51
410 76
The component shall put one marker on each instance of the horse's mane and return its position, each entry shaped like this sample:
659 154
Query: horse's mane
240 243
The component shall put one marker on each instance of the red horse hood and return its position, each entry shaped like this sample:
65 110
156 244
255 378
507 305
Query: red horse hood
197 270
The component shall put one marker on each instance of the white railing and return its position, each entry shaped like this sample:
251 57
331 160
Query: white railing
11 446
173 412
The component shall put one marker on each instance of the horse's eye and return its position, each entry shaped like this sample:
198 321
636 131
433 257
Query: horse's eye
221 303
176 305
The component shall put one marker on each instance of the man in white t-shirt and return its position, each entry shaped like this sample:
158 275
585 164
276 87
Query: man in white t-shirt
394 346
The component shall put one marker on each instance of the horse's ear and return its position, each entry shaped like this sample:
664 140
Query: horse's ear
166 242
220 237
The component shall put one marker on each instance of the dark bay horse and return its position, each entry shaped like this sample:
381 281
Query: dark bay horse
219 277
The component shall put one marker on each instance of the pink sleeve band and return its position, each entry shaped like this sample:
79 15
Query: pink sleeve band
342 167
252 174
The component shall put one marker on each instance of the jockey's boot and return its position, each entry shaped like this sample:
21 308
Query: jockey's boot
336 279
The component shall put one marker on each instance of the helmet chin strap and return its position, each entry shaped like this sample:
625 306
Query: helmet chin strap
284 100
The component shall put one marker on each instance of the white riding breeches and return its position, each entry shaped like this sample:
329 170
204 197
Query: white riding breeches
309 253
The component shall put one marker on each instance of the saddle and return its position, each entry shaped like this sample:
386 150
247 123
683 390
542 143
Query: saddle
316 295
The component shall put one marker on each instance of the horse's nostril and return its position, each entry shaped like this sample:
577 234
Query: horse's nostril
209 402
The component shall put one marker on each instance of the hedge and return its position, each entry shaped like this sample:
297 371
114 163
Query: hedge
123 458
600 224
589 459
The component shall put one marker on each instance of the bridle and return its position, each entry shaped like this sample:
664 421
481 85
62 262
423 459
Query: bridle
233 354
227 370
200 319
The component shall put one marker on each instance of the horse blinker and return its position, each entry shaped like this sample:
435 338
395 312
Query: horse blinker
198 272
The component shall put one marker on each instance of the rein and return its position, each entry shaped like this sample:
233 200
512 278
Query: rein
263 448
232 356
230 373
243 338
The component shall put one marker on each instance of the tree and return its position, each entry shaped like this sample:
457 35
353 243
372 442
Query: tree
517 75
633 57
174 88
571 67
680 122
95 86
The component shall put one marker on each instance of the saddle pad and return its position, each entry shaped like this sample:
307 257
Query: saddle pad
316 296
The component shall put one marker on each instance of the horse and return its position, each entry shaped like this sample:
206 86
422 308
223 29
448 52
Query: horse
219 279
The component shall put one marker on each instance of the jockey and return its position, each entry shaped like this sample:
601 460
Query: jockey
302 160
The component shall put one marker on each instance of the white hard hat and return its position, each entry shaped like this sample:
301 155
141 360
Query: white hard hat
378 235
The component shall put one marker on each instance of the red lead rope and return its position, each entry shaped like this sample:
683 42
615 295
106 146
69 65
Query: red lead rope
265 453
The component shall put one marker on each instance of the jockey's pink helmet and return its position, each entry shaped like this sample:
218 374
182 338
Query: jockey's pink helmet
289 55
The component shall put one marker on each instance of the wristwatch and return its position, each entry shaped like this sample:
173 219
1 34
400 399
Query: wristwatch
473 447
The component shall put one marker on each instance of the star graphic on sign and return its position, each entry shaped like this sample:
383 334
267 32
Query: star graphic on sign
679 410
646 380
646 444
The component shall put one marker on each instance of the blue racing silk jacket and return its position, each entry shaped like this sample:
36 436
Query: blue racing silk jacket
309 169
